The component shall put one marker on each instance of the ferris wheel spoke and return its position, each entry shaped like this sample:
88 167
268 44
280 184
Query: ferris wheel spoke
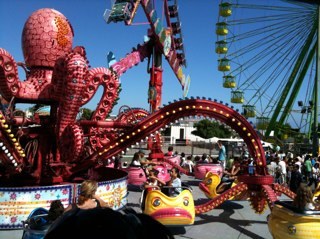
269 53
297 86
274 8
287 88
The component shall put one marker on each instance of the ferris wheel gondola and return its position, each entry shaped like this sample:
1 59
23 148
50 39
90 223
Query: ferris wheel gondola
267 55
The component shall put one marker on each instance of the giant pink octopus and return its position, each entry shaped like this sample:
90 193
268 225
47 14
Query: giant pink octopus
60 76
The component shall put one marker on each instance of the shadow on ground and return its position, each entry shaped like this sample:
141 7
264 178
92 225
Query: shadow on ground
229 208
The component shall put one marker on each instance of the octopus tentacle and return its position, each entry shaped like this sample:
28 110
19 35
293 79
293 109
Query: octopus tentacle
9 78
109 80
74 85
35 87
72 143
132 115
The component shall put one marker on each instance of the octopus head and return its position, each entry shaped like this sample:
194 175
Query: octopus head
47 35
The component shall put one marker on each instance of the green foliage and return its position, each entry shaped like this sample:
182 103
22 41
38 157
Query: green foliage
19 112
36 107
86 113
207 129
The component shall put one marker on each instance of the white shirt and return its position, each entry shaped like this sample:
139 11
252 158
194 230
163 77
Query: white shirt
188 163
176 188
298 163
136 163
282 165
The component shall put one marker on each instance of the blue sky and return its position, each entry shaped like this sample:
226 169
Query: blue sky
98 38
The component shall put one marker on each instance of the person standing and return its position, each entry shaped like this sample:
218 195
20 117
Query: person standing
296 178
222 154
283 170
308 168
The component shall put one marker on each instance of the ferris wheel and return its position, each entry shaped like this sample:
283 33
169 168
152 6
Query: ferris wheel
268 59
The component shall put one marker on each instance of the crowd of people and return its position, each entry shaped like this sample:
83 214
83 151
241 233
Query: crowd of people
298 172
286 168
290 170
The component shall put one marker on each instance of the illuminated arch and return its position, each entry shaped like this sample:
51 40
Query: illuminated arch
185 108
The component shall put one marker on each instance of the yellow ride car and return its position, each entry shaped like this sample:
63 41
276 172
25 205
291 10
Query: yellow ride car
177 210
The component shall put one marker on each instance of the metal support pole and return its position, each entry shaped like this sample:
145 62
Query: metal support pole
315 140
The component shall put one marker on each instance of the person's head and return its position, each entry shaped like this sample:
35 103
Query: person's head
214 160
204 156
296 167
107 223
197 158
304 195
136 156
56 210
175 173
153 172
183 154
88 189
170 148
219 142
141 153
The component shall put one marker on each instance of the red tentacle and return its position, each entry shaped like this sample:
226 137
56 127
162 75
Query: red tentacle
9 78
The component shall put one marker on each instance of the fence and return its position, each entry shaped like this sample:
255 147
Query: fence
193 148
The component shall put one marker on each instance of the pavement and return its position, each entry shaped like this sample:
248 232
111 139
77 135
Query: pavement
231 220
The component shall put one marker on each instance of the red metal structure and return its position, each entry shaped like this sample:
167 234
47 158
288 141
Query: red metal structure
55 149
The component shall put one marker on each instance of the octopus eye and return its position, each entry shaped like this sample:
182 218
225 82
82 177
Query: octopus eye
209 181
186 201
156 202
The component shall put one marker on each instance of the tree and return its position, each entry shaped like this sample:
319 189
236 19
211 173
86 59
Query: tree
86 113
207 129
35 107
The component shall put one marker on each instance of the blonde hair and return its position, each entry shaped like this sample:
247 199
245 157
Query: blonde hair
304 196
88 189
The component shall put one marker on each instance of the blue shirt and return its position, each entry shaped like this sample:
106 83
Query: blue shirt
222 153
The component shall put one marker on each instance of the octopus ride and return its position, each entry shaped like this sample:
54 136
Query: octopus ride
43 159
